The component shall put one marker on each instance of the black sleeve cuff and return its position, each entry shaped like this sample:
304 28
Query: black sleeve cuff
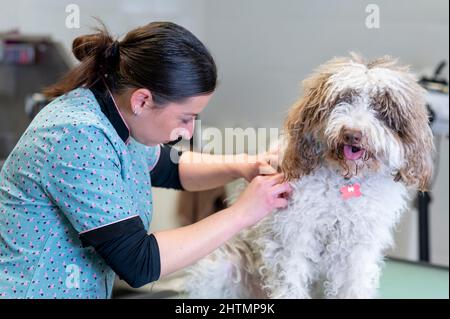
166 171
103 234
128 250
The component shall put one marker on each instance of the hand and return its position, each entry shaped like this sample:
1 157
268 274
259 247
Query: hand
253 165
263 195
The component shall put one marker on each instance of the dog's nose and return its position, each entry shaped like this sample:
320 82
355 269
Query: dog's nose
352 136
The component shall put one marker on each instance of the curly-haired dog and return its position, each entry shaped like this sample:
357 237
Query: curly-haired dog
357 141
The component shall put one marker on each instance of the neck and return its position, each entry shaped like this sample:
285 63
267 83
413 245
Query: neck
119 101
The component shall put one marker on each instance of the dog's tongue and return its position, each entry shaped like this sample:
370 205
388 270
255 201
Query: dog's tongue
353 153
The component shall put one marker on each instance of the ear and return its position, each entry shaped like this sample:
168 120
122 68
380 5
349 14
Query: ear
140 99
418 167
302 153
302 127
418 145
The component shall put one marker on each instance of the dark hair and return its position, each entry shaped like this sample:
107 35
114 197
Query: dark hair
162 57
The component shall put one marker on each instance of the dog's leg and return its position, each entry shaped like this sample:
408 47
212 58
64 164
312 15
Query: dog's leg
219 275
287 273
293 281
356 277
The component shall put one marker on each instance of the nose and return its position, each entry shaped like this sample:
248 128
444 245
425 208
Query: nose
352 136
189 131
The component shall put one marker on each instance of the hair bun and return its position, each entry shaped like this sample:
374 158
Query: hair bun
91 45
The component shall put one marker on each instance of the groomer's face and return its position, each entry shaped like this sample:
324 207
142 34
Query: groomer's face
155 124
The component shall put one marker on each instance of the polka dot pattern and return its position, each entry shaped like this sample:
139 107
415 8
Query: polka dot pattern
69 173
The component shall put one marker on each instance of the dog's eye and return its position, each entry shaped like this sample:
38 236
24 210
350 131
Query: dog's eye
390 113
391 118
347 97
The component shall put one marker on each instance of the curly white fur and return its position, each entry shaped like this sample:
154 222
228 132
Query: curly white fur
318 238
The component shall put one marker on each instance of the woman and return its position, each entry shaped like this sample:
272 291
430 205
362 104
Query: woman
75 193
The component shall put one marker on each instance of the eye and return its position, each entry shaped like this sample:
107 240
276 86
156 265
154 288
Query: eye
186 121
390 115
389 111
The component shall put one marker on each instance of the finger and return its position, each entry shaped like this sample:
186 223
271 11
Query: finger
272 160
272 156
275 149
282 188
267 170
276 179
281 203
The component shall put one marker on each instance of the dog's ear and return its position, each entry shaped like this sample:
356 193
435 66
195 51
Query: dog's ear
418 153
302 127
403 103
417 141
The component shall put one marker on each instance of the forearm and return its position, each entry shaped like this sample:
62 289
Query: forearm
183 246
204 171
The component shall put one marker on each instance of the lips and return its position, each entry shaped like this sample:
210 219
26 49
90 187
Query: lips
352 152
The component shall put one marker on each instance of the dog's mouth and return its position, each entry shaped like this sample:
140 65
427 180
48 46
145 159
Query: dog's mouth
353 152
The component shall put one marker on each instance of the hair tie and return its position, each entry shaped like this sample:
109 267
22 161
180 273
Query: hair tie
112 59
112 53
115 52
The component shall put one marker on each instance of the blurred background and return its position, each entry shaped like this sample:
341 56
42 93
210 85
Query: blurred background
263 49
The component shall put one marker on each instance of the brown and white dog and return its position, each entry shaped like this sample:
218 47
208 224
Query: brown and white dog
358 141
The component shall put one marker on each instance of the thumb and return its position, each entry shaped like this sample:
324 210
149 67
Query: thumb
266 169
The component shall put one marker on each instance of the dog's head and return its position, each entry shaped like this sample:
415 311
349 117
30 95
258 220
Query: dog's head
360 117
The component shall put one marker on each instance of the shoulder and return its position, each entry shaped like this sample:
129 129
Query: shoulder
73 117
78 106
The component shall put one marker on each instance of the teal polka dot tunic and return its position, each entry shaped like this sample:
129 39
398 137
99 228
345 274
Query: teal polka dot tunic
69 173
